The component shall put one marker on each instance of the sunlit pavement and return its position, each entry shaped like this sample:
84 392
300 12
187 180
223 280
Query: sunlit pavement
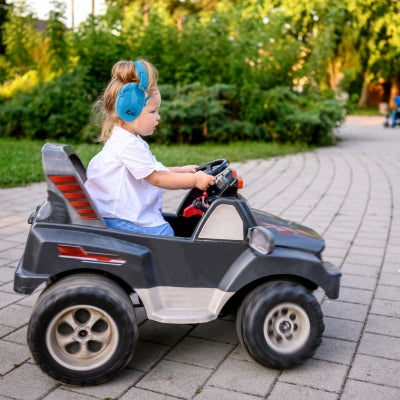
350 194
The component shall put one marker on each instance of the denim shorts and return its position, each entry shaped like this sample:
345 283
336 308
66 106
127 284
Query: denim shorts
116 223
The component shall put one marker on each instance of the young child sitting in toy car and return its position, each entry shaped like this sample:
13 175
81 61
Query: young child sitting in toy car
124 178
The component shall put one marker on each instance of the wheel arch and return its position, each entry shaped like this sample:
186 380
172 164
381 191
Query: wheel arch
66 273
234 302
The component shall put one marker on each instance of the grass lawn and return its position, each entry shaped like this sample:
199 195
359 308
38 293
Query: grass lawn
20 160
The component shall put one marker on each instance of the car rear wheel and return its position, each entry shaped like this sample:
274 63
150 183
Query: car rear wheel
280 324
83 330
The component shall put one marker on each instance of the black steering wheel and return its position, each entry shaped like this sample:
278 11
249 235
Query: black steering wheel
196 196
214 167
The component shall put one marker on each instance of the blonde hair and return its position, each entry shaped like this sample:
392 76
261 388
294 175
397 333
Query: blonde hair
123 72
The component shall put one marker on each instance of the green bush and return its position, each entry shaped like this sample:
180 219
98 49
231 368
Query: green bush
294 118
54 110
189 114
195 113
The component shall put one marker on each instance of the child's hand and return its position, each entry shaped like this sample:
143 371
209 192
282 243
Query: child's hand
203 180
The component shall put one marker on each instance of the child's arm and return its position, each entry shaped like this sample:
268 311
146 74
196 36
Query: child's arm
183 180
185 168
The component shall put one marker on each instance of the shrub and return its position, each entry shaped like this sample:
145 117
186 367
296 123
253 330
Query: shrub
293 118
54 110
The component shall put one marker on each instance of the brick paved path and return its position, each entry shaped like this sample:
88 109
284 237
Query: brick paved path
349 193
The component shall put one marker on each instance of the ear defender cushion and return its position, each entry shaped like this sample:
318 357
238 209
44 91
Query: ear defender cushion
132 97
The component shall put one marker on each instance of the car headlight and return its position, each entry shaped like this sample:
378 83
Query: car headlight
260 239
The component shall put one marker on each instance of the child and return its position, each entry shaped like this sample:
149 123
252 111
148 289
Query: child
124 178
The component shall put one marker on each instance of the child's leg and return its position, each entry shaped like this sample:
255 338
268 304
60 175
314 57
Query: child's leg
124 225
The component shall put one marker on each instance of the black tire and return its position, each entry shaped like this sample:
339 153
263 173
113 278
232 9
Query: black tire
83 330
280 324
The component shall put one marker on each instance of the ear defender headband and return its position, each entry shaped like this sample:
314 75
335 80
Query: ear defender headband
132 97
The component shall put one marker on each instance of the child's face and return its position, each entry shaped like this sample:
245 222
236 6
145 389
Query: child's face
145 124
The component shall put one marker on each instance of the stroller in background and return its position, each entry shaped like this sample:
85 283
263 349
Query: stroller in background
393 119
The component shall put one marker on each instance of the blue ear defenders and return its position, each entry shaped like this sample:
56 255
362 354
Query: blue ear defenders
132 97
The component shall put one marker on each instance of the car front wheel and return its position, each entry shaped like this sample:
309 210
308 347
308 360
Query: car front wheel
280 324
83 330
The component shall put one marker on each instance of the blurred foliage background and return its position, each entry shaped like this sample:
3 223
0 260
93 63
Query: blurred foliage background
281 71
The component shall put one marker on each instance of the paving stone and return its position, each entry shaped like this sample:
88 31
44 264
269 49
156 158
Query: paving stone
12 355
140 394
380 346
5 330
361 270
6 273
245 377
13 254
391 257
339 309
219 330
18 336
175 379
30 301
289 391
356 390
359 296
383 325
113 388
212 393
317 374
389 308
376 370
147 355
367 250
390 267
390 279
372 242
374 261
7 244
64 394
35 385
167 334
387 292
15 316
240 353
358 282
342 329
204 353
8 298
338 351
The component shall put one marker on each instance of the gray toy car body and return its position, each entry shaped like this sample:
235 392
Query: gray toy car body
224 257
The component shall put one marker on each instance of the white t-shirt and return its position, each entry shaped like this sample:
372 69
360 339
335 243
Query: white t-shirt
115 180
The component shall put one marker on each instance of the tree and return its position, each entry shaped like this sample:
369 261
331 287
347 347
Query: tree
21 39
3 18
56 32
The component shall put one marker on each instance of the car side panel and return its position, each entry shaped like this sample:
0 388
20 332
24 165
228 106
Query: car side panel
142 261
251 266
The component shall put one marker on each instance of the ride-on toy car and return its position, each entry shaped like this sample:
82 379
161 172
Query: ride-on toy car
224 257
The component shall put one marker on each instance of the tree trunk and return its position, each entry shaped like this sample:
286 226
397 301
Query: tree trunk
394 91
364 95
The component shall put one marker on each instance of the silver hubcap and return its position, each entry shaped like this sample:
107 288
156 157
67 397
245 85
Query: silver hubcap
286 328
82 337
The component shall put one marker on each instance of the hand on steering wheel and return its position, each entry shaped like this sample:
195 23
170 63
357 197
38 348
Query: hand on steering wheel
214 167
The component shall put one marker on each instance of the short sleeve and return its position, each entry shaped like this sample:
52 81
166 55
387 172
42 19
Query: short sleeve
139 160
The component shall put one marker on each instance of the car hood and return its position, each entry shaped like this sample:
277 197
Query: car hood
290 234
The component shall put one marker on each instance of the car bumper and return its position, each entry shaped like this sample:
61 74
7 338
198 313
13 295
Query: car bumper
331 281
25 282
